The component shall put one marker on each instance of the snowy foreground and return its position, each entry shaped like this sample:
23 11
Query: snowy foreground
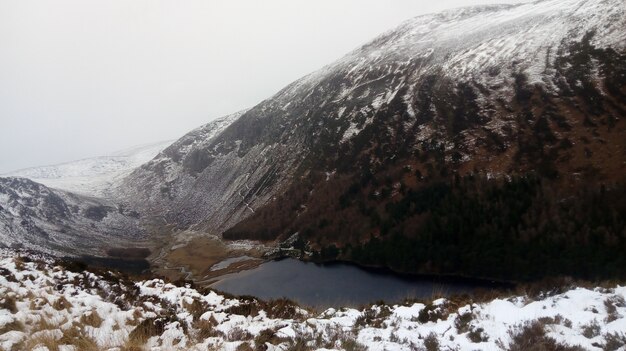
44 305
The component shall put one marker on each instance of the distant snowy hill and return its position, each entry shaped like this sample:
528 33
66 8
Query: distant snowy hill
66 209
92 176
36 217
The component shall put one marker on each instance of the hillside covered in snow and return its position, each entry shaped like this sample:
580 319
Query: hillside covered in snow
47 305
92 176
36 217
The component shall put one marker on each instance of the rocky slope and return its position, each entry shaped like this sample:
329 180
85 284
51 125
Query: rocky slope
46 305
36 217
173 184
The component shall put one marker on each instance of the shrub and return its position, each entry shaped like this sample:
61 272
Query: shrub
196 308
238 334
205 329
8 275
462 321
431 343
244 346
247 308
432 313
299 344
611 304
282 309
532 337
591 330
614 341
264 337
352 345
477 335
373 317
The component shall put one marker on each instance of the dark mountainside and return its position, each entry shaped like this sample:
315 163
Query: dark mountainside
485 141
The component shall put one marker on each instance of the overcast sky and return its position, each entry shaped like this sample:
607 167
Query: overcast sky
83 78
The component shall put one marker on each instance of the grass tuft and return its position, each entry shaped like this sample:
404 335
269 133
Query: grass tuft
532 337
91 318
62 304
8 302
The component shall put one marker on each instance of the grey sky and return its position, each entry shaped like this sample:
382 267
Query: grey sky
81 78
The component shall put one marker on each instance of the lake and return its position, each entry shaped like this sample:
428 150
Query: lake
337 284
134 266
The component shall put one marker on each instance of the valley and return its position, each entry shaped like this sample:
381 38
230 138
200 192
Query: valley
468 167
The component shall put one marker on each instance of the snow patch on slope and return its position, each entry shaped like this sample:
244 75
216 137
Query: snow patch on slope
92 176
43 290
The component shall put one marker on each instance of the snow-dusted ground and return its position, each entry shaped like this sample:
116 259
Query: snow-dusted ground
92 176
42 306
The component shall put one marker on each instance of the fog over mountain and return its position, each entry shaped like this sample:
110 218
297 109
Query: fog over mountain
82 78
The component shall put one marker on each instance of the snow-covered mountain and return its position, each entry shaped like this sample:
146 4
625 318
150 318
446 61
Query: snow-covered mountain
161 185
471 88
68 209
92 176
338 156
36 217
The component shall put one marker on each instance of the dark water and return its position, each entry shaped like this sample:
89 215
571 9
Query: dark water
128 266
337 284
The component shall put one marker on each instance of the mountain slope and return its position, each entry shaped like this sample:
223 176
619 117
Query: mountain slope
36 217
454 81
175 185
418 140
92 176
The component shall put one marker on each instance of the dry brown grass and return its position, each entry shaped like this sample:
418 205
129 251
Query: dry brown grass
15 325
91 318
205 329
19 263
77 337
45 339
198 255
42 324
133 345
244 346
145 330
37 303
8 302
135 318
62 304
196 308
